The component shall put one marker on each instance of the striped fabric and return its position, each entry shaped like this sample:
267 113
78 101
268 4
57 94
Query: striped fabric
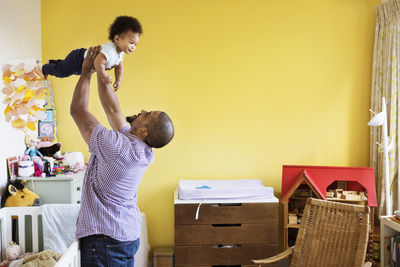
115 169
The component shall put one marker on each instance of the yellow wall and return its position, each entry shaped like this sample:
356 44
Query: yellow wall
250 85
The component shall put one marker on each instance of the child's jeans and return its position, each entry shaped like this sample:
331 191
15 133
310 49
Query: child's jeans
72 64
104 251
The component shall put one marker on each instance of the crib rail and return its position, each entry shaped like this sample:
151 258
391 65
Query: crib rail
6 221
71 258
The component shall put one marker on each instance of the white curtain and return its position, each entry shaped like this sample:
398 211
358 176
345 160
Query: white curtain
385 83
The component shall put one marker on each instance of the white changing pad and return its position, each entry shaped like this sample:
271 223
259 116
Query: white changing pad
223 189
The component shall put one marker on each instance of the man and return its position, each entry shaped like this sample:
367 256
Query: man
109 219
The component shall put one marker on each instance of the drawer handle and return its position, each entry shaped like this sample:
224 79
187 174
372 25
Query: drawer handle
78 202
227 246
227 205
227 225
78 188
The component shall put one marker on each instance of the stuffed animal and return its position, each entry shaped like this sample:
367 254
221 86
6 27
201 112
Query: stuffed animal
19 196
49 149
12 253
46 258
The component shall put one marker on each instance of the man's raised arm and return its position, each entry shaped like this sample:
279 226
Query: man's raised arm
111 106
79 108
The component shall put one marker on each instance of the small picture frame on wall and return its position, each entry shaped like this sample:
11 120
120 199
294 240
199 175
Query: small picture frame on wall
49 97
49 115
47 129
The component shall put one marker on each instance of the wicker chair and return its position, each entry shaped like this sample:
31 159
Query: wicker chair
330 234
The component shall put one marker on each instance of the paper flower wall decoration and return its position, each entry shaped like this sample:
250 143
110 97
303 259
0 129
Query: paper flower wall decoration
25 90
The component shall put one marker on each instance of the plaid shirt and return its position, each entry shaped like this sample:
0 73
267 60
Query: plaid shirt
109 193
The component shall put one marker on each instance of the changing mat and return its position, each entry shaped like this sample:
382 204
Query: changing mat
222 189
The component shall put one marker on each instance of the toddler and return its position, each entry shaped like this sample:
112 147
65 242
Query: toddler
124 35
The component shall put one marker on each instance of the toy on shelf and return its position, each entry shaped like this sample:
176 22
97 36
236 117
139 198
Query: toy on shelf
49 149
58 170
295 216
35 155
26 167
32 146
340 194
12 166
74 160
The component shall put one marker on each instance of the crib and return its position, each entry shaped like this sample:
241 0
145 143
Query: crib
29 235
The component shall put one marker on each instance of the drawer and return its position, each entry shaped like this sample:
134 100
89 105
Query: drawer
77 193
208 255
227 213
77 197
214 234
77 189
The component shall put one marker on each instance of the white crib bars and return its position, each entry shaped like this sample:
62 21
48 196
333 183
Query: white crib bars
6 216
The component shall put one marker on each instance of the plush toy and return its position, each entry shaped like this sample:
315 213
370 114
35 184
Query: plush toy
74 160
19 196
12 253
32 146
49 149
38 166
46 258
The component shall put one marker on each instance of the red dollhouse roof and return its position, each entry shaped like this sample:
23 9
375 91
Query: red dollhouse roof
321 177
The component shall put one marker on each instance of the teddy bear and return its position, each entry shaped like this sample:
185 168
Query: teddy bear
13 251
46 258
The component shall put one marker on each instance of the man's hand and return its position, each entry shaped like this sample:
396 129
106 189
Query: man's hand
116 85
88 66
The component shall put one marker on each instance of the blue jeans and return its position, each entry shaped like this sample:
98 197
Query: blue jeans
104 251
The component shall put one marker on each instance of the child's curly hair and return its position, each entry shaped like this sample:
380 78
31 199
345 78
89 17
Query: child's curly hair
122 24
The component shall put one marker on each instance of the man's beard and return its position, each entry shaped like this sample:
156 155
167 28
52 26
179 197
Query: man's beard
130 119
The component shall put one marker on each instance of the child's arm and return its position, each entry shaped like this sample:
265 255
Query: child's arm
100 67
119 69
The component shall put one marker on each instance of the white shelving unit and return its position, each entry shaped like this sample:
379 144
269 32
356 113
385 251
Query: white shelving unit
59 189
388 228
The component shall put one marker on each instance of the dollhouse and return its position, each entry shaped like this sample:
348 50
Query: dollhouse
343 184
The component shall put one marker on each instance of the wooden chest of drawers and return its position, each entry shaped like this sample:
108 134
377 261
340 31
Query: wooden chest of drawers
225 233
